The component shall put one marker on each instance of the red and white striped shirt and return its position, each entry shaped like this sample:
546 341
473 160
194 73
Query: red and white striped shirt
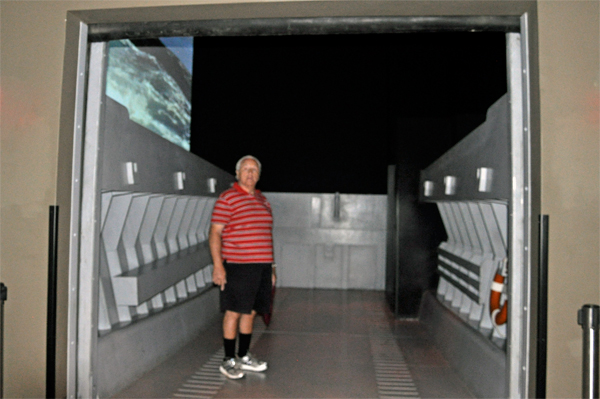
247 236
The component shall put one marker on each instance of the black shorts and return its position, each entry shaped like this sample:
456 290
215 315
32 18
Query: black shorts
248 288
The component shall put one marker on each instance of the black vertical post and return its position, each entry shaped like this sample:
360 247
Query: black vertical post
3 297
542 317
51 313
588 317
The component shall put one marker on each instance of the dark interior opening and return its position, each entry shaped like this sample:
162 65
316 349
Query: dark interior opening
329 113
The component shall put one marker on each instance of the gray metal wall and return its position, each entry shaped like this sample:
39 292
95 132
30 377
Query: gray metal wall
330 240
155 287
154 253
480 364
471 186
126 354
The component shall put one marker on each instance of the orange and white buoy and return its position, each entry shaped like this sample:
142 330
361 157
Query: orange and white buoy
498 312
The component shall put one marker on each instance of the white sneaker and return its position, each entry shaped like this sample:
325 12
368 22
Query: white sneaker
251 363
231 369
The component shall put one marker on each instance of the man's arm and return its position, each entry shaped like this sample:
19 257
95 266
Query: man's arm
214 241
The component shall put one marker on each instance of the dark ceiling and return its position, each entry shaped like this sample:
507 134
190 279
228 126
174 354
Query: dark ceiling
329 113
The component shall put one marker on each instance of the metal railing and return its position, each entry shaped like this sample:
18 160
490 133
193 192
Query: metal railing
588 317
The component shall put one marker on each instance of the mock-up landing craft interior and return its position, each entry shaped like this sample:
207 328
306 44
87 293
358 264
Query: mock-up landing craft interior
157 198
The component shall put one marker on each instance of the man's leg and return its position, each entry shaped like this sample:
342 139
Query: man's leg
248 362
247 322
246 326
229 367
231 320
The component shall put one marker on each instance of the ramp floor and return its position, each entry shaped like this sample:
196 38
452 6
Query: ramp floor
319 344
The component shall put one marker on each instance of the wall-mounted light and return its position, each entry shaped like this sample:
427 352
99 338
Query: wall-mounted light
212 185
336 206
130 170
485 176
179 179
428 187
450 185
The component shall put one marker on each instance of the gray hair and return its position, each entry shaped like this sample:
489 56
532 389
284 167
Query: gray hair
239 163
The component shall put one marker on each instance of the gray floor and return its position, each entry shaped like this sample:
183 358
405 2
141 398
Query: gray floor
320 344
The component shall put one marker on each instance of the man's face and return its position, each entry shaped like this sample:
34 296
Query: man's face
248 174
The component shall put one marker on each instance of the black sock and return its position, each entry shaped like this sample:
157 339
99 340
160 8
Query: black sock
229 345
244 344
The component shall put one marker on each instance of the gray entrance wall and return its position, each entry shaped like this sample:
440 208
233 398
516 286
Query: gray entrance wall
330 240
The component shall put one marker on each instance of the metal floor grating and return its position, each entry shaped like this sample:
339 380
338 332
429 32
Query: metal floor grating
204 383
393 376
394 379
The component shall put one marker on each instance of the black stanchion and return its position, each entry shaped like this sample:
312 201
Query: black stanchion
542 317
51 310
3 297
588 317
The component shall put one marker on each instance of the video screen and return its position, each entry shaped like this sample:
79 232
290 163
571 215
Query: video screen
152 78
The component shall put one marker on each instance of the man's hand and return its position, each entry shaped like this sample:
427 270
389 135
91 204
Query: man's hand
219 276
214 240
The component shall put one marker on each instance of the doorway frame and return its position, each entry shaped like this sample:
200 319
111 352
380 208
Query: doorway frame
78 182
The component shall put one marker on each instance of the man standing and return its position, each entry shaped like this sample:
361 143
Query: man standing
241 246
